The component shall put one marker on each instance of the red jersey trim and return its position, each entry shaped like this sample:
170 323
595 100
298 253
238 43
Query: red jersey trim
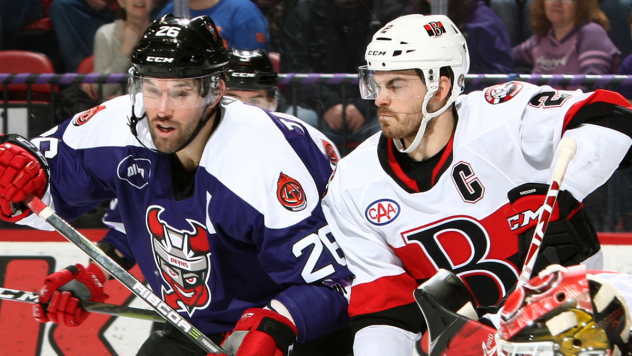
382 294
397 169
446 154
599 95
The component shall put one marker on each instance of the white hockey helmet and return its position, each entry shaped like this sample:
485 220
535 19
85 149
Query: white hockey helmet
427 43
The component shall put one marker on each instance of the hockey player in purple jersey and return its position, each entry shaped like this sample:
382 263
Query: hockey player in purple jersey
219 202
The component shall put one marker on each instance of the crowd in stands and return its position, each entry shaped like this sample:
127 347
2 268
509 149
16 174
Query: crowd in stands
330 36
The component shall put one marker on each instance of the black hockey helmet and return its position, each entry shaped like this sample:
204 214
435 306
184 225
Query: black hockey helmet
250 70
174 47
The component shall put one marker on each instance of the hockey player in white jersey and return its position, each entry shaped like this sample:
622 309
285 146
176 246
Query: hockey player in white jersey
456 181
219 203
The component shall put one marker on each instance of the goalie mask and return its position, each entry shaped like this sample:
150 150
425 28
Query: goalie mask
564 312
179 63
426 43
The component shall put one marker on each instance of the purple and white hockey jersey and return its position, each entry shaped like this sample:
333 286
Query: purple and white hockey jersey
251 229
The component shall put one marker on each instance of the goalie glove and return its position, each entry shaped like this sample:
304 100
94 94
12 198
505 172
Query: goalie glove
60 298
261 332
23 172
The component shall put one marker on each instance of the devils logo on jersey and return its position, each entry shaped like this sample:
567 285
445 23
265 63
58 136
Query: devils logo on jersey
183 259
85 116
290 193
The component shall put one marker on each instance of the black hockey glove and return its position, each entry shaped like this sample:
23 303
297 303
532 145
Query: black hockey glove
570 237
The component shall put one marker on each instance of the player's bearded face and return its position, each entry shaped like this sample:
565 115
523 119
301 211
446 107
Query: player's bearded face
399 102
400 125
174 109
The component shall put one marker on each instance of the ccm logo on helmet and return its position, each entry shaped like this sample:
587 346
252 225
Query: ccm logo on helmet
243 75
376 53
382 212
159 59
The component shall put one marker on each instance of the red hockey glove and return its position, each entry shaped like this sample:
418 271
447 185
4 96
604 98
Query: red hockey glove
260 332
60 298
23 171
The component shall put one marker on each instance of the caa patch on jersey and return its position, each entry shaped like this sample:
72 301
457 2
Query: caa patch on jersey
502 92
85 116
290 193
382 212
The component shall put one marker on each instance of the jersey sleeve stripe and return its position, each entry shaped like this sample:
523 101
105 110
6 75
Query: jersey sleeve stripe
576 116
382 294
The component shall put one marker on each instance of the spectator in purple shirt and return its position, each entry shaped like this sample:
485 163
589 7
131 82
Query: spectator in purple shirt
569 37
626 69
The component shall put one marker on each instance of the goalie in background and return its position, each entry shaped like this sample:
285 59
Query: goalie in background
457 181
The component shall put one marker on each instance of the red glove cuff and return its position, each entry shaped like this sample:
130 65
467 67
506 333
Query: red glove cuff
267 330
97 271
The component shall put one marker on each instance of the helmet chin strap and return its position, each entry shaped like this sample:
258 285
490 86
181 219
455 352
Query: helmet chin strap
424 122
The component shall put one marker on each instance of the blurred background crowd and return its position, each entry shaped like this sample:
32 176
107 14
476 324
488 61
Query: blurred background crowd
320 36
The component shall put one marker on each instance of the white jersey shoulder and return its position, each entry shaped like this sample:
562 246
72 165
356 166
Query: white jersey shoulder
104 125
322 141
249 154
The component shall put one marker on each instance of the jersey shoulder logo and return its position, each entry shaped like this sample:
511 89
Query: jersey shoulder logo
85 116
382 212
290 193
331 152
501 93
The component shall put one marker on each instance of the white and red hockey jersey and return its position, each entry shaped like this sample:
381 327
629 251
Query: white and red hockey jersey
399 221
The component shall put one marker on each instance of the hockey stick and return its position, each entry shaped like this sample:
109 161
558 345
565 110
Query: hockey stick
47 214
93 307
566 152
